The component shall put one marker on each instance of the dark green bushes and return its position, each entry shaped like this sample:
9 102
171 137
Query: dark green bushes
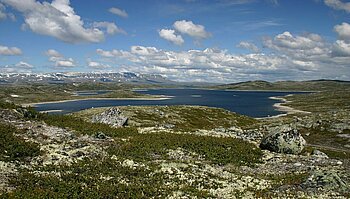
102 178
7 105
143 147
15 148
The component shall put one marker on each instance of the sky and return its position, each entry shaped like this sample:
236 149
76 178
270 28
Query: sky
184 40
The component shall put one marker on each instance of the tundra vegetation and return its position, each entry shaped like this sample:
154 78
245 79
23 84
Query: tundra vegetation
175 152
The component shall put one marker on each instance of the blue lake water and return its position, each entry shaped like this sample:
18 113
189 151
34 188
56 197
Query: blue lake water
250 103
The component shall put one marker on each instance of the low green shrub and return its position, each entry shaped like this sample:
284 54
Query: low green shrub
13 147
144 147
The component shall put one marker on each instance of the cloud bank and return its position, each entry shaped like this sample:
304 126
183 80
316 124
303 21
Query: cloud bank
285 56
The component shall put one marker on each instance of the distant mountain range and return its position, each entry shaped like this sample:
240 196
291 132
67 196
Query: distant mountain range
58 78
312 85
135 78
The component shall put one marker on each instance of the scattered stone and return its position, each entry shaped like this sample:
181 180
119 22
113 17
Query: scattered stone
344 136
283 139
319 154
168 126
100 136
297 164
339 162
112 116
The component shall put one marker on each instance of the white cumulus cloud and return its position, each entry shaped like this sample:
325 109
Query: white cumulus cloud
97 65
113 53
338 5
56 19
111 28
298 46
59 60
5 50
247 45
24 65
119 12
65 63
53 53
191 29
343 31
341 48
170 35
20 67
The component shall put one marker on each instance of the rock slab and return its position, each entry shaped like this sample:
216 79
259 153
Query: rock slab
112 116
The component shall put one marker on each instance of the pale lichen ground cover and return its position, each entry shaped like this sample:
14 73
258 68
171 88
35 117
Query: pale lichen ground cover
195 162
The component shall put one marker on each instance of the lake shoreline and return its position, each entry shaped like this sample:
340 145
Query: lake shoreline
281 106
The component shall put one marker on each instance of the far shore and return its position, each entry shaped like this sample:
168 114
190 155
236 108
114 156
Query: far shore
227 89
279 91
73 100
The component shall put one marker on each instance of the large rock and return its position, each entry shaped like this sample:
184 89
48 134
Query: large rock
112 116
283 140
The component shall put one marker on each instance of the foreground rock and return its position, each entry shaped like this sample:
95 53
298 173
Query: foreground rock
283 140
112 116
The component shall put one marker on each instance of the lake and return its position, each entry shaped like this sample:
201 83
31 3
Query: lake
250 103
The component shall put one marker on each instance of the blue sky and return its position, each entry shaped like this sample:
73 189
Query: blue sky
184 40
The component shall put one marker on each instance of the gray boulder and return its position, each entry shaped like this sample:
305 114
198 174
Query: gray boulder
283 139
112 116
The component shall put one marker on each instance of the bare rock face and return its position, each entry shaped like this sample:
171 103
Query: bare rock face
283 140
112 116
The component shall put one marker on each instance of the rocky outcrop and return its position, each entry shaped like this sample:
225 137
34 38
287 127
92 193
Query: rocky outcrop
283 139
325 179
112 116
